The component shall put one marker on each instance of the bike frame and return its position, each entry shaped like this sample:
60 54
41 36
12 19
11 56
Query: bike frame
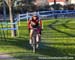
34 39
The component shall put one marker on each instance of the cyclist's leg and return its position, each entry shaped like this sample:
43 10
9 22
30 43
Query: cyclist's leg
38 38
40 35
31 32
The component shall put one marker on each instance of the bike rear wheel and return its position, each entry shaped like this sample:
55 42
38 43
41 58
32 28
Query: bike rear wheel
34 44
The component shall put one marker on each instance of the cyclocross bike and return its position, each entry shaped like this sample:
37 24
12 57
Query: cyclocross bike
34 39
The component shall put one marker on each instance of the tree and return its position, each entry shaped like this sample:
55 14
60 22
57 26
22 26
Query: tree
10 4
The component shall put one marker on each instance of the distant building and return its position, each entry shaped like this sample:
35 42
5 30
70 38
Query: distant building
62 2
71 1
41 2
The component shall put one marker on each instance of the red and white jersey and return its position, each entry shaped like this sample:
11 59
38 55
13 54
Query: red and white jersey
30 21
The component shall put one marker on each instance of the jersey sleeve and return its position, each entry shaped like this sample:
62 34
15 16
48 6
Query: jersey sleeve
41 23
29 24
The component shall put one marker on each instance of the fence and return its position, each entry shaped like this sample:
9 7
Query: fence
49 14
41 14
5 26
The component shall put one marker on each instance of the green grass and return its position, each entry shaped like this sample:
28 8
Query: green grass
58 39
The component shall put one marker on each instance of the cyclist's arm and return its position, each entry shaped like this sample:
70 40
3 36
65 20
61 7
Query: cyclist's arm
28 24
41 25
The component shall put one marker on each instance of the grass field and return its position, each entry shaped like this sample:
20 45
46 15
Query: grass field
58 40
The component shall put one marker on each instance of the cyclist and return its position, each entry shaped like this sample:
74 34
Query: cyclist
34 22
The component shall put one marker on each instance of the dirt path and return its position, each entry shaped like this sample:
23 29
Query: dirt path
6 57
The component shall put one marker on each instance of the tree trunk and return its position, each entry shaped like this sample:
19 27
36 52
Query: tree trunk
13 32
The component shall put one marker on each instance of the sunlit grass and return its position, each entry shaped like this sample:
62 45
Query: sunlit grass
58 36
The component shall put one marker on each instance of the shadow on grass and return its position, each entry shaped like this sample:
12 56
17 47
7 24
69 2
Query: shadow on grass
23 43
66 44
65 25
44 50
50 51
52 27
20 42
